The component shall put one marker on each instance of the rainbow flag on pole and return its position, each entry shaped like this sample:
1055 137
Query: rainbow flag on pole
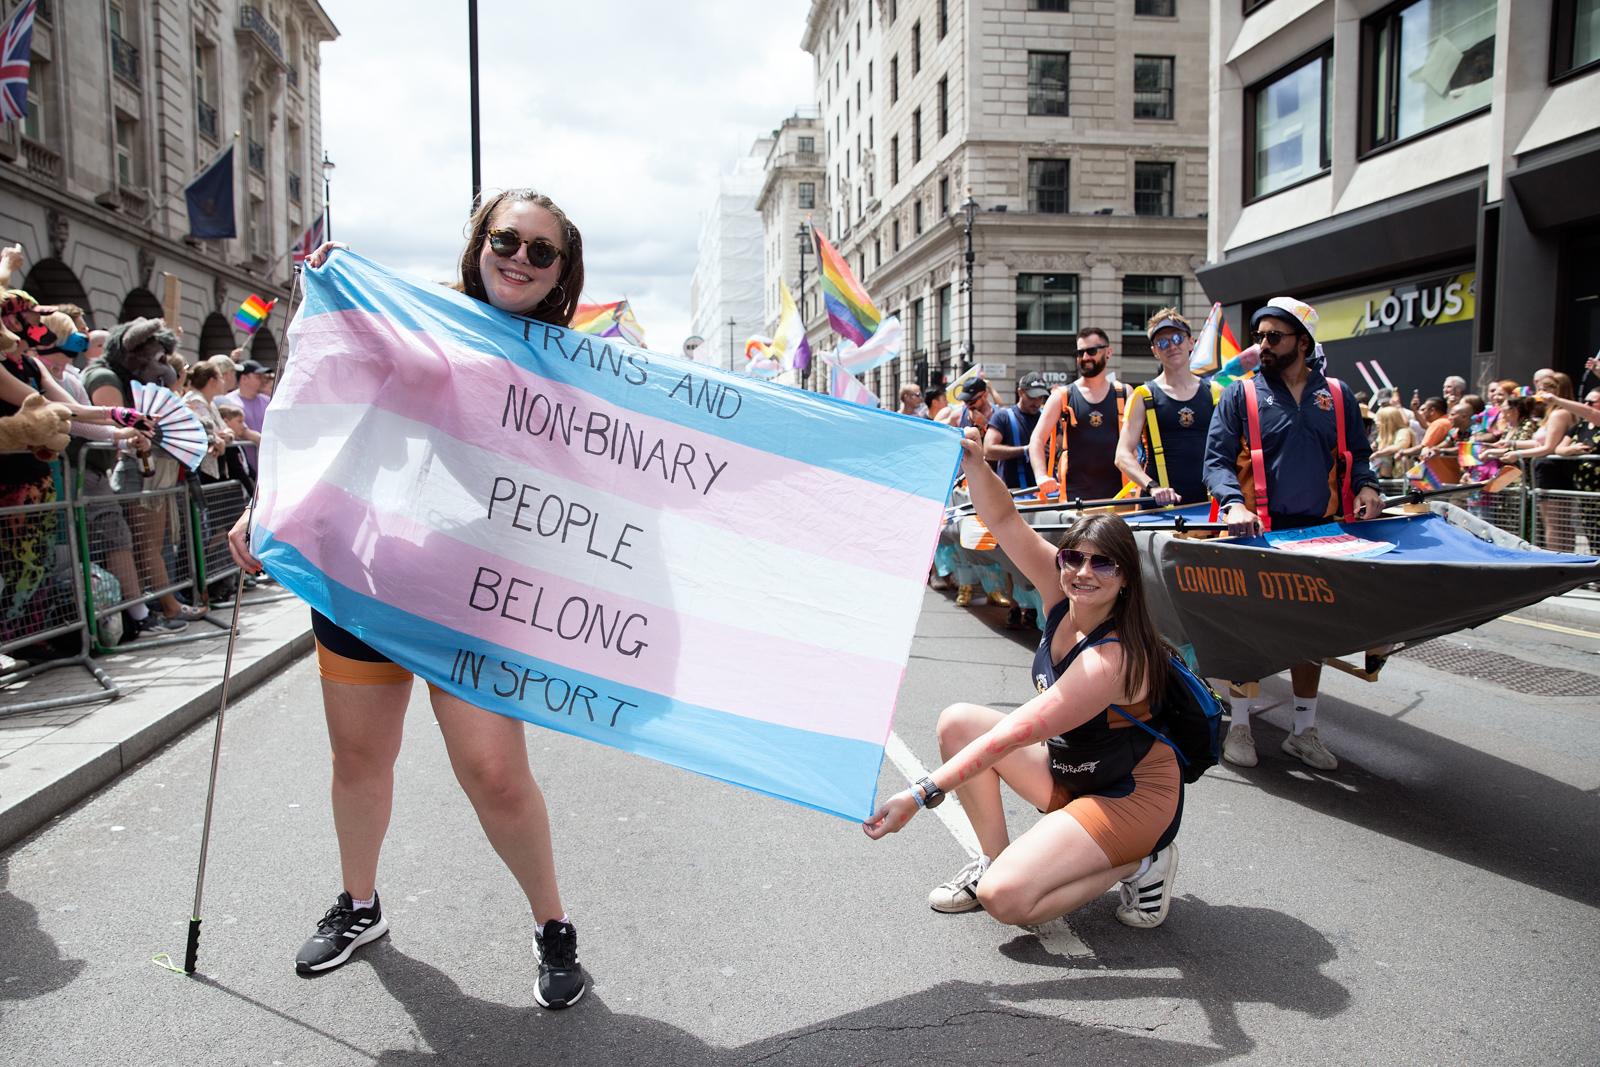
850 309
575 532
1216 352
252 313
609 320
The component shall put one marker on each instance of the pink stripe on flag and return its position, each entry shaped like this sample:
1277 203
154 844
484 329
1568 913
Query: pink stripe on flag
759 494
690 659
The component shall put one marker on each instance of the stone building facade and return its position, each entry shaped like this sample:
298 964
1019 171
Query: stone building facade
129 100
1080 130
790 199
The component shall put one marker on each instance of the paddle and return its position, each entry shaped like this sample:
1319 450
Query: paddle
1507 476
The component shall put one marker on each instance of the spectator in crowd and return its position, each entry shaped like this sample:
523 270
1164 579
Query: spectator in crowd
251 399
911 401
1006 441
1394 438
938 403
1074 446
1168 418
1435 417
974 406
205 385
229 371
1454 388
236 464
1556 475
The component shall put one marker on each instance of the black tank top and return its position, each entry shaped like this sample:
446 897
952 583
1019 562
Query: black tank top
21 468
1091 436
1184 425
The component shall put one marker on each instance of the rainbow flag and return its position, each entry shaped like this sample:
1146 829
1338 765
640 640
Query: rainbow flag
760 359
1216 353
577 533
609 320
850 309
252 313
1423 477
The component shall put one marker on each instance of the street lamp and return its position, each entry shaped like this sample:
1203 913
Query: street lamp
970 208
327 212
803 237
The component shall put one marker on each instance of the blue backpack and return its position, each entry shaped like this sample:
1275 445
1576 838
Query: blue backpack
1191 711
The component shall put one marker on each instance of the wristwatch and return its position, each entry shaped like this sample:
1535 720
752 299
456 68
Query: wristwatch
932 795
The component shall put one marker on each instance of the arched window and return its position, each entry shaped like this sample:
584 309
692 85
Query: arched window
52 282
216 336
139 304
264 348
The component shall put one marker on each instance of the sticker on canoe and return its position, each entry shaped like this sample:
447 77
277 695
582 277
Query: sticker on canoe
1328 540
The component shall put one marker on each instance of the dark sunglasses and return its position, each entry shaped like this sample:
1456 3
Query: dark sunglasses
541 253
1091 350
1172 341
1070 559
1270 338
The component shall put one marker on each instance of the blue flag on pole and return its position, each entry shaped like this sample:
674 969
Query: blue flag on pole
210 200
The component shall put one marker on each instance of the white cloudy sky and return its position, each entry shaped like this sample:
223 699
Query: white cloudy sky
623 112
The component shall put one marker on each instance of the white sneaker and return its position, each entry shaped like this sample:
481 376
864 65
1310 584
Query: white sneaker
1310 750
1239 747
1145 898
961 892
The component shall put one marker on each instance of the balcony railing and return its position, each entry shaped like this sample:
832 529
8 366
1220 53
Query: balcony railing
125 60
258 157
206 118
135 202
294 187
252 19
293 76
42 162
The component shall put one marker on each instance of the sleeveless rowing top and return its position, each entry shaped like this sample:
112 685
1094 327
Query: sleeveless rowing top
1091 441
1184 425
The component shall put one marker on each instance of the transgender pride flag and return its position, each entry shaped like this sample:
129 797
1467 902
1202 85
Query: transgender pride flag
703 568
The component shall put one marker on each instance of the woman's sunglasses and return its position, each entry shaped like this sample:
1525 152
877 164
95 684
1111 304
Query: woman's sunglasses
1270 338
1070 559
541 253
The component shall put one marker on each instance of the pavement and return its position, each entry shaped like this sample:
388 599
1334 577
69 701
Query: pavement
1432 901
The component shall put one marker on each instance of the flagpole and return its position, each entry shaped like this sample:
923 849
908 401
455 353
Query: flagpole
472 67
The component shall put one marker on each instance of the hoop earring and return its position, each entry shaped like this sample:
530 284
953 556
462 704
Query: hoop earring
551 298
1122 594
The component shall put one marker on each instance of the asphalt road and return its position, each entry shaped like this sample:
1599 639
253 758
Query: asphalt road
1433 901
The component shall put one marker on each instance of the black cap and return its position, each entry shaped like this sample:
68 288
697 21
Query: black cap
250 366
974 388
1033 384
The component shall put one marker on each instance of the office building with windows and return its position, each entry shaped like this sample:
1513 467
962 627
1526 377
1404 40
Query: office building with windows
128 101
1080 129
1421 171
789 202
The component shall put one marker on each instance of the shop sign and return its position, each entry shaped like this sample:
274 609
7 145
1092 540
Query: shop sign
1452 298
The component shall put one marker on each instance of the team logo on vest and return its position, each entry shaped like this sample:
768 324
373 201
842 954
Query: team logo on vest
1324 399
1095 418
1186 417
1042 682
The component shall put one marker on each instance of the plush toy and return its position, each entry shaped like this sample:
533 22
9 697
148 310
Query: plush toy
135 350
41 427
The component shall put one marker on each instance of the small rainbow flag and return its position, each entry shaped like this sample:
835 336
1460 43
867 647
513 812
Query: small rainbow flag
1423 477
609 320
850 309
252 313
1217 353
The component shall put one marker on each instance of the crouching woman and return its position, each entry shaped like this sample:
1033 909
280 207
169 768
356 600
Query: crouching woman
1111 792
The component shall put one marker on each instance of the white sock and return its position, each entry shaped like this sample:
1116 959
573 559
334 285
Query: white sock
357 905
138 612
1305 714
1244 707
1144 868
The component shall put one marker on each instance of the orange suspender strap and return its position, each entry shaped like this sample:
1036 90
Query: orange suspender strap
1258 459
1121 391
1344 460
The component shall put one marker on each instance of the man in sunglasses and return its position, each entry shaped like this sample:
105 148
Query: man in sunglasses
1307 428
1074 445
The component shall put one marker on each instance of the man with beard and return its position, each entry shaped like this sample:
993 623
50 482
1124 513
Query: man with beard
1307 429
1074 446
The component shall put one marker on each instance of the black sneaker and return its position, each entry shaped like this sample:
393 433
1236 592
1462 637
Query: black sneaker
561 980
341 932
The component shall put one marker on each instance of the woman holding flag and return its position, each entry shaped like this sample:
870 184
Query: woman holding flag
526 258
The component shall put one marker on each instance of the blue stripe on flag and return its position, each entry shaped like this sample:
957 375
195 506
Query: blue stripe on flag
838 775
875 446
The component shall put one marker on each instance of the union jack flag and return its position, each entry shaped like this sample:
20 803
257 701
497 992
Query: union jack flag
16 45
309 240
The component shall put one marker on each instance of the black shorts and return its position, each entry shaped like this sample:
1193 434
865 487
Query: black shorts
344 657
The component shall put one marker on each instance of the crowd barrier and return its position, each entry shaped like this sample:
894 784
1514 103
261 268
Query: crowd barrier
70 567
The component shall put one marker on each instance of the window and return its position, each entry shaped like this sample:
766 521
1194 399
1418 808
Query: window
944 105
1287 125
1152 87
124 54
894 161
1160 8
916 216
917 338
257 234
1047 83
861 208
894 79
869 130
916 136
1152 188
36 124
944 197
869 65
894 10
858 97
808 144
127 151
1047 5
205 98
1047 186
808 194
1047 303
944 314
916 49
1425 64
896 234
944 18
1142 296
858 35
877 252
1577 36
861 265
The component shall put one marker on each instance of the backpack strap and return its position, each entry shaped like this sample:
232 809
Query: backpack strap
1258 459
1157 734
1143 392
1341 450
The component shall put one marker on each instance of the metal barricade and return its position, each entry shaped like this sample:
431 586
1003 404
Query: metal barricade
1566 520
41 598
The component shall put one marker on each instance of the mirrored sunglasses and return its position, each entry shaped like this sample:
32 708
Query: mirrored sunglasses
541 253
1071 559
1172 341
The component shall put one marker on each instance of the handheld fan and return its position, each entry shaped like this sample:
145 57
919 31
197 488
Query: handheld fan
178 431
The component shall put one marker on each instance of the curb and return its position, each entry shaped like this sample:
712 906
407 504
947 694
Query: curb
102 762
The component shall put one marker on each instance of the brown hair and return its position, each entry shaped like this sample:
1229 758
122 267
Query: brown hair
228 411
569 285
203 374
1094 331
1144 651
1169 313
1508 387
1563 387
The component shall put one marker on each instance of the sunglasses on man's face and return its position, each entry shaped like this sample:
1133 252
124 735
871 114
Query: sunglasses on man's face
1171 341
1270 338
1091 350
541 253
1070 559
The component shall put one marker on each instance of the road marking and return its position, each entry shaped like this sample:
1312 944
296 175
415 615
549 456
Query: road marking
1056 936
1552 626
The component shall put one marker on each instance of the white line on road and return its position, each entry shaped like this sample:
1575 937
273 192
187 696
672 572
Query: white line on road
1056 936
